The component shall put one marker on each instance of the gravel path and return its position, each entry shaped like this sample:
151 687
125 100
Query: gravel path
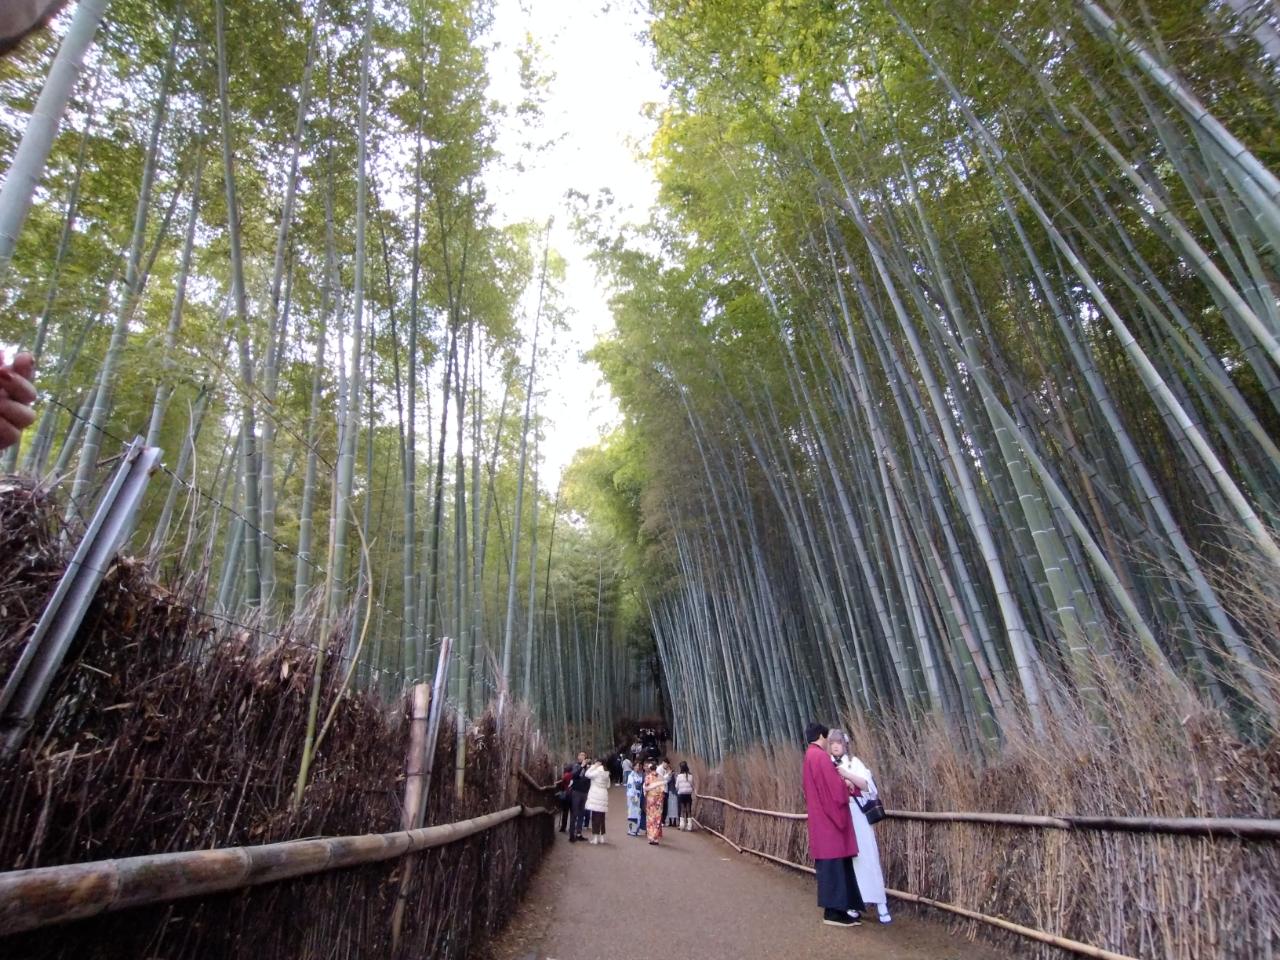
693 896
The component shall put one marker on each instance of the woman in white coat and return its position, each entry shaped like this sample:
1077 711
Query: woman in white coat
866 865
598 798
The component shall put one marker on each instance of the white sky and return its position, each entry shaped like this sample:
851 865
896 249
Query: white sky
602 78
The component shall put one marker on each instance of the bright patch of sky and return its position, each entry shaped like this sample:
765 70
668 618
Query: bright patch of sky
602 76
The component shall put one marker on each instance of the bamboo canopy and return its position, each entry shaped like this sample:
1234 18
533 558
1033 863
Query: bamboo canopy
30 899
1241 827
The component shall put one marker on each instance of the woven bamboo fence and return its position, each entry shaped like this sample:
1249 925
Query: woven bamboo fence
164 758
726 819
32 899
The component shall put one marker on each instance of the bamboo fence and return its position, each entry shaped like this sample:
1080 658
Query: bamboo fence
30 899
1248 828
1223 827
159 774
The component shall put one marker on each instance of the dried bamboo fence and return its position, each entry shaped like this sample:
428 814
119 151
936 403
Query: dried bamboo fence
716 820
31 899
166 732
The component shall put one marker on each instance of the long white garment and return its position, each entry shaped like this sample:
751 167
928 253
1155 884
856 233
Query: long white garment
866 865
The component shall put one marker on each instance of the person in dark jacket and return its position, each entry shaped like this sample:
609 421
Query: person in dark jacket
578 787
672 804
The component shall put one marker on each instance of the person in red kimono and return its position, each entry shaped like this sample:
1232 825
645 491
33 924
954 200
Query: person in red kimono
831 840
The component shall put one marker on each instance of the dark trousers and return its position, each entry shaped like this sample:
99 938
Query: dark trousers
578 815
564 814
685 804
837 886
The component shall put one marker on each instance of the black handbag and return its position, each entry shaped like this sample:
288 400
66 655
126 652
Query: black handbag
873 810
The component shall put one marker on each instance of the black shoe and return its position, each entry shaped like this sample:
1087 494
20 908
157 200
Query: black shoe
838 918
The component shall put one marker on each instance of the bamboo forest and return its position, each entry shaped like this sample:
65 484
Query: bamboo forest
930 389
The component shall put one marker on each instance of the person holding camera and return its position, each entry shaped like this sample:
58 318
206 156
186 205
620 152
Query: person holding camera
597 804
863 794
579 785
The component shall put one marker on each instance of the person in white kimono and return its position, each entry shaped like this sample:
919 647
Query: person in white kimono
866 865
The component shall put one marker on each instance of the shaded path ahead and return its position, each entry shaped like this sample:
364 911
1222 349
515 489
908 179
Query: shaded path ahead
695 897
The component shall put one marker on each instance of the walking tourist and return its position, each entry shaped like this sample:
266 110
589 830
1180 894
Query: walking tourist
866 865
664 771
598 798
642 769
578 788
684 796
655 786
635 802
673 801
562 795
831 839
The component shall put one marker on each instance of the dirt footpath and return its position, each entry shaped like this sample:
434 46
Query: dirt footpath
693 896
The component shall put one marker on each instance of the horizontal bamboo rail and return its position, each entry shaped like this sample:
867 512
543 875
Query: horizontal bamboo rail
1239 827
1031 933
41 897
764 813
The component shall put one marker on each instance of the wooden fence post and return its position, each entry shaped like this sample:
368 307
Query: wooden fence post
415 792
424 731
415 786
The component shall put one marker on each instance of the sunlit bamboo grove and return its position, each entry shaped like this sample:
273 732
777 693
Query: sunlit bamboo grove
949 364
257 234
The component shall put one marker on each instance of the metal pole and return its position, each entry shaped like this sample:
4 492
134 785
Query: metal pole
33 675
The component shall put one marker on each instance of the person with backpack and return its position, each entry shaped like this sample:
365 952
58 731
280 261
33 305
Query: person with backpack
684 796
672 801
